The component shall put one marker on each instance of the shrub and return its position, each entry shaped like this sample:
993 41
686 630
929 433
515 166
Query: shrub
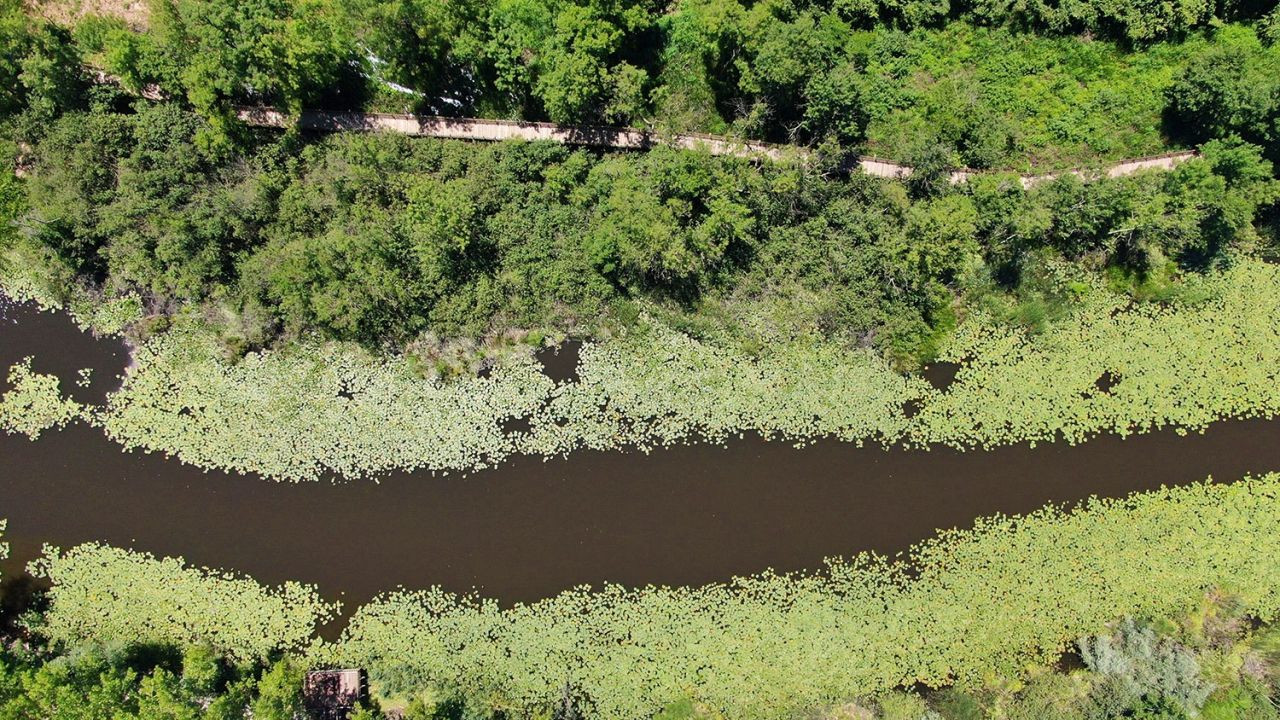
1054 696
1247 701
904 706
957 704
1145 666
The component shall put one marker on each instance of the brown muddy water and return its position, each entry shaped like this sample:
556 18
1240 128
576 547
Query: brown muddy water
685 515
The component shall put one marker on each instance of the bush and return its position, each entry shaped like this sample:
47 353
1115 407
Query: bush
1055 696
1247 701
956 704
1148 669
903 706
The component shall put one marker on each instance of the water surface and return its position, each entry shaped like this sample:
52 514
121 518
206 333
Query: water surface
524 531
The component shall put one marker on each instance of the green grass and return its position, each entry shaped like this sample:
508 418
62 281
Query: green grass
1023 101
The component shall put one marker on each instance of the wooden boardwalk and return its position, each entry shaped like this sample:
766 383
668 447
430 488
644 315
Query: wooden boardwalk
494 130
633 139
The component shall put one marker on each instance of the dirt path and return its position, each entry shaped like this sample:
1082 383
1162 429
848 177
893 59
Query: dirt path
1130 166
631 139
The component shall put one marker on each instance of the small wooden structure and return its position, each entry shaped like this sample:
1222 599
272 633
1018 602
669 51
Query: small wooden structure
333 694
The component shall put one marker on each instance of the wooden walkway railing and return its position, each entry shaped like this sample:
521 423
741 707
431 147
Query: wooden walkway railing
629 139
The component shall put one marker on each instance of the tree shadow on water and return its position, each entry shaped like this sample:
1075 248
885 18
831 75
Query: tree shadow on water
20 593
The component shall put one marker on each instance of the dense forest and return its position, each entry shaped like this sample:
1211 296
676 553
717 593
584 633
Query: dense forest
382 240
805 71
146 683
385 240
399 243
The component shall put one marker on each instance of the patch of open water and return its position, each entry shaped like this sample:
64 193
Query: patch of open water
685 515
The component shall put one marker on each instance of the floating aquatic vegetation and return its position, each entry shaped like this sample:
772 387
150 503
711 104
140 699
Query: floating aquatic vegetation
102 594
34 403
660 386
317 408
1182 364
313 408
28 274
107 317
962 607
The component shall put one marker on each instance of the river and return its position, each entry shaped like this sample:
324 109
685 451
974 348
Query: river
528 529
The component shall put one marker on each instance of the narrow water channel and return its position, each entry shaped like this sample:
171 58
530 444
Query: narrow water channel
685 515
